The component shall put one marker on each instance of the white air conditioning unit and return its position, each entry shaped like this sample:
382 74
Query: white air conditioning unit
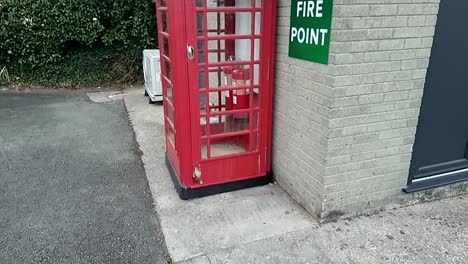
152 71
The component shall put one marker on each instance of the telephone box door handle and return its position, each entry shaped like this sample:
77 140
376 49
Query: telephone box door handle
190 52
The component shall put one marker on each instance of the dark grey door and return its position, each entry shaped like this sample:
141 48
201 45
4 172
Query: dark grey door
440 152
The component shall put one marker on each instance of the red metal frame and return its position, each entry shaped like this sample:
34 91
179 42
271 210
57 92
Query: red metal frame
185 153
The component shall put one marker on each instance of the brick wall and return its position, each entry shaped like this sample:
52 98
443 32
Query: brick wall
379 55
301 115
343 133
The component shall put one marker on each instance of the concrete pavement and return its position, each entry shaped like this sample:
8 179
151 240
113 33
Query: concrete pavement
73 190
263 225
199 226
72 186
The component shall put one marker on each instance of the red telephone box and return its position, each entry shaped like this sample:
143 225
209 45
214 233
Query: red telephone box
217 61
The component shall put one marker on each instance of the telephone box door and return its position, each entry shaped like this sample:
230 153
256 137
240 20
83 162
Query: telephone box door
229 61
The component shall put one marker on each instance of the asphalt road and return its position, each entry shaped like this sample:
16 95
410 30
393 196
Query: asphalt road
72 185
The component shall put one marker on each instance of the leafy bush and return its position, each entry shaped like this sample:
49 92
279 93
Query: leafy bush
48 41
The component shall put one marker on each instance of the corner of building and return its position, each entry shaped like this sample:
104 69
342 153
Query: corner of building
343 133
301 114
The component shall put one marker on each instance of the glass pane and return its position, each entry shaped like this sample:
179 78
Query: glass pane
257 49
164 21
227 23
258 19
222 3
223 148
215 76
220 51
216 101
243 3
229 76
256 120
213 3
201 78
203 106
241 77
168 69
240 100
230 100
168 90
203 126
170 113
256 74
233 99
204 148
229 50
215 123
231 145
230 123
202 85
166 47
215 23
171 134
254 144
256 98
201 51
200 26
216 51
230 3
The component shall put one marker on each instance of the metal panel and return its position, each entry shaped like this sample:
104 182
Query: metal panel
441 144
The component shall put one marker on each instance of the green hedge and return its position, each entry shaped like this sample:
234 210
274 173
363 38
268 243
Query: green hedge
78 42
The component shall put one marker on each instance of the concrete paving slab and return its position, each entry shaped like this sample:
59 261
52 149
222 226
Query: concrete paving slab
434 232
290 248
198 227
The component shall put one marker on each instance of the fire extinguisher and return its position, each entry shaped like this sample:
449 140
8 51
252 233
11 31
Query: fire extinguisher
240 77
227 74
240 97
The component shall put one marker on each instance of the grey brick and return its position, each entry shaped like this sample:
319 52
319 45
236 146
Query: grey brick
383 10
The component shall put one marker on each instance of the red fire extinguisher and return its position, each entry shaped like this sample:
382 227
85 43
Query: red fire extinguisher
240 98
228 72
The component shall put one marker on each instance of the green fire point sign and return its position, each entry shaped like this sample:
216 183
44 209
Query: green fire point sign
309 33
